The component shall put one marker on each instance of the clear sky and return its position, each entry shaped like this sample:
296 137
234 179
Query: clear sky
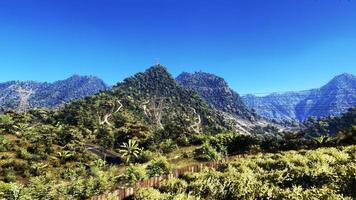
256 45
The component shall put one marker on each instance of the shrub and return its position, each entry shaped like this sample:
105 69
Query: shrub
183 140
168 146
150 194
135 173
158 167
12 191
10 175
188 177
145 156
206 153
173 186
325 173
198 139
23 154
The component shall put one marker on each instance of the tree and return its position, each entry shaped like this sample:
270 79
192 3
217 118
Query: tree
322 140
6 123
38 168
64 155
130 150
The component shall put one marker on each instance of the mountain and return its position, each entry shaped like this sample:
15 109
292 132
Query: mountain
49 95
280 107
333 98
58 148
146 102
217 93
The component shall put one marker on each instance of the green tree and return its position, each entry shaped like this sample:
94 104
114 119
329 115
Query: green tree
130 150
322 140
64 156
6 123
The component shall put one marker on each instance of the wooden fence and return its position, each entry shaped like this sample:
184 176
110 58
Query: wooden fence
122 193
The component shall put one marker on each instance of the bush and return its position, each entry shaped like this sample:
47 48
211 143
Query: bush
188 176
168 146
135 173
150 194
5 144
206 153
198 139
145 156
23 154
325 173
173 186
12 191
158 167
183 140
9 175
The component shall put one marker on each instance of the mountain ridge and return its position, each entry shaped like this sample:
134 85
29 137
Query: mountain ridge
334 98
49 94
216 91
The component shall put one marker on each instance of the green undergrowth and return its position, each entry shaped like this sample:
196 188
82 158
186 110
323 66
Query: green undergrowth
324 173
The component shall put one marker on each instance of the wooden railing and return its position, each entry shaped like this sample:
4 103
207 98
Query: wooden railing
122 193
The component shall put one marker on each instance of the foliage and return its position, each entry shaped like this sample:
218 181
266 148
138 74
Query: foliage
57 154
173 186
135 173
145 156
157 167
130 150
150 194
325 173
206 153
167 146
331 125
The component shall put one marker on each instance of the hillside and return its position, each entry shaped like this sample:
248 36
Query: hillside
49 95
333 98
280 107
57 153
217 93
143 104
343 125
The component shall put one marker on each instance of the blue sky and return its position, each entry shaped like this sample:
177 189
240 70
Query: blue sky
256 45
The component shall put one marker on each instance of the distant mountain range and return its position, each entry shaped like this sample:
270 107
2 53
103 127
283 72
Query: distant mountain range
49 95
333 98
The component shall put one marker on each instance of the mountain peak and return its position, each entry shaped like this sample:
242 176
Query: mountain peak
216 92
50 95
159 100
344 77
158 70
344 80
331 99
204 79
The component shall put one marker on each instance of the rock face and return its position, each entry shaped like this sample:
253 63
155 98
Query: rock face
49 95
333 98
216 92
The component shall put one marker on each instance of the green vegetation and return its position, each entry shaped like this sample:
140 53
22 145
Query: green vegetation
130 150
75 152
325 173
